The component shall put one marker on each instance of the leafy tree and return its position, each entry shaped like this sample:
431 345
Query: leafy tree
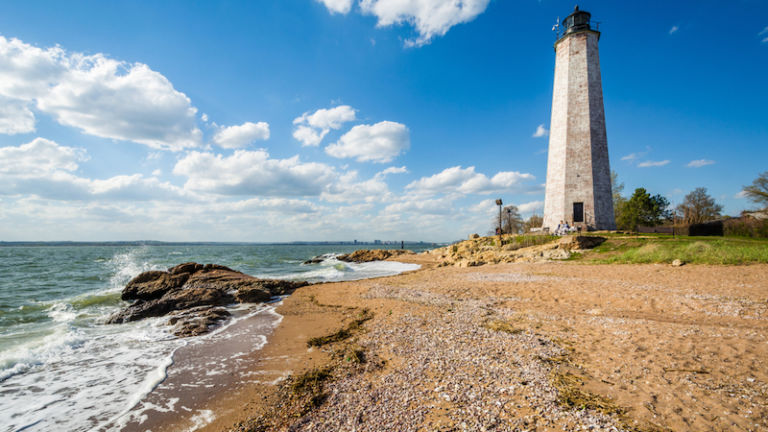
616 190
758 190
535 221
698 207
642 209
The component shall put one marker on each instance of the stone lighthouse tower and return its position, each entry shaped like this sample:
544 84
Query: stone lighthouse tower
578 188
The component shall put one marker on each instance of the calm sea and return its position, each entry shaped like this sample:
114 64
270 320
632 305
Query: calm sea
61 368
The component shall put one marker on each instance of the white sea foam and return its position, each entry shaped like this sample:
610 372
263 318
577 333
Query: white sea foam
202 418
70 375
73 373
333 270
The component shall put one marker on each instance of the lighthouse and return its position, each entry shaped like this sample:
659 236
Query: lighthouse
578 188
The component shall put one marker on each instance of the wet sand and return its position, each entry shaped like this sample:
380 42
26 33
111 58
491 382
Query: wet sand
674 348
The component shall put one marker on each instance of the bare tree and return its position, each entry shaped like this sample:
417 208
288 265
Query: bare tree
698 207
758 190
511 221
535 221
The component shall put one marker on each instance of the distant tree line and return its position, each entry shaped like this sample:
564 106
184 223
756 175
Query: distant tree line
644 209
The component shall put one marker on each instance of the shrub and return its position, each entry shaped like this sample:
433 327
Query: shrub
746 227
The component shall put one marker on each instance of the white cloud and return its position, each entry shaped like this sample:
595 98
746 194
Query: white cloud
15 117
649 163
698 163
380 142
430 18
674 29
485 208
467 181
765 31
434 206
531 207
541 131
394 170
97 95
327 118
253 173
44 168
279 205
630 157
309 136
740 194
348 188
312 128
337 6
240 136
40 157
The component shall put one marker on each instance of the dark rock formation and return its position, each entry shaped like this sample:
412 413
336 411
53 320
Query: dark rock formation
366 255
197 321
318 259
194 289
581 242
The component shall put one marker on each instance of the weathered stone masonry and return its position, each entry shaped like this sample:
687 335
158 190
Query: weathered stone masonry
578 169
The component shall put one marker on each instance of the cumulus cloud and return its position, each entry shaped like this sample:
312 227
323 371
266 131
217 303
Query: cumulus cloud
674 29
381 142
349 188
253 173
337 6
698 163
467 181
46 169
240 136
394 170
312 128
97 95
651 163
430 18
541 131
278 205
434 206
531 207
484 207
15 117
38 158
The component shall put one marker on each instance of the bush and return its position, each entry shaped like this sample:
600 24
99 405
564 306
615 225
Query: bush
746 227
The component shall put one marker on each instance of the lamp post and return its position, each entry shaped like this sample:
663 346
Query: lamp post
498 203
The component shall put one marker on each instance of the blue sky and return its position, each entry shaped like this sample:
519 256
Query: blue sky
352 119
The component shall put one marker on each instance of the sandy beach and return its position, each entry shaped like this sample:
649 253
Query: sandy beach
542 346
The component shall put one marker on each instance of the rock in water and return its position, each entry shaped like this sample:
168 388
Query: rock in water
366 255
197 321
194 289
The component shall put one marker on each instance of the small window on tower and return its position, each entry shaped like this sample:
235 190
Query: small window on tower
578 212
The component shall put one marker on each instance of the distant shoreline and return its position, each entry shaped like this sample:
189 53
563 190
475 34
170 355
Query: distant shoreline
161 243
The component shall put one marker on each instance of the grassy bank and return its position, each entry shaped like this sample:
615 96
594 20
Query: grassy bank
657 248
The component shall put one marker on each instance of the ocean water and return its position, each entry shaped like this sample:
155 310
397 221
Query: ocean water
62 368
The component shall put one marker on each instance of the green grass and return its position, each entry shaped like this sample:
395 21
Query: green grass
663 248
